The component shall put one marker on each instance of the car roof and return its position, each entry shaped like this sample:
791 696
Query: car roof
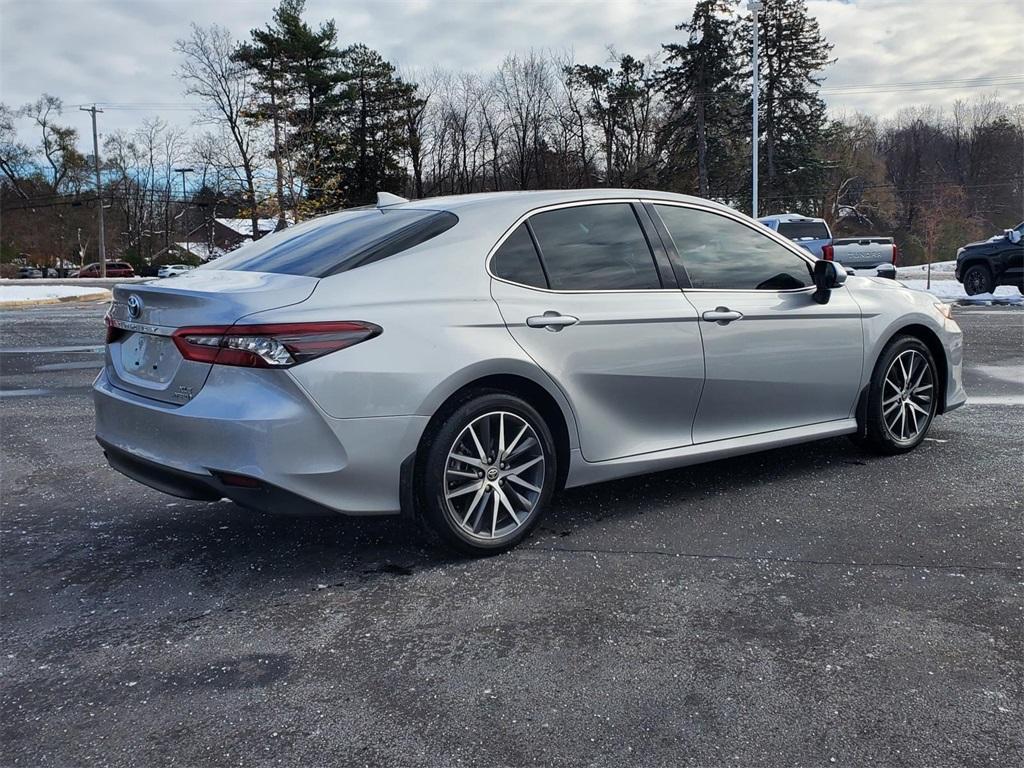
782 217
515 204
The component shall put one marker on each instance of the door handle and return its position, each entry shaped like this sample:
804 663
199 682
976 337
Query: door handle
553 321
721 315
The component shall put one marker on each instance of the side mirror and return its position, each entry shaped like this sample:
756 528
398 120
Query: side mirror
887 271
1013 236
827 275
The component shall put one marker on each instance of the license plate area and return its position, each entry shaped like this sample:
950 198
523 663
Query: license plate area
153 359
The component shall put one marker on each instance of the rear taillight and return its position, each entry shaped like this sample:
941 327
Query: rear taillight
827 252
895 255
113 332
280 345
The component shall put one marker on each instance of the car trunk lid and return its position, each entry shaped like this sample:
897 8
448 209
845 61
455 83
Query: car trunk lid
141 356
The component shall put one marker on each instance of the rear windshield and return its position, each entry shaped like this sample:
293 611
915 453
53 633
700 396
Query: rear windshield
803 230
338 242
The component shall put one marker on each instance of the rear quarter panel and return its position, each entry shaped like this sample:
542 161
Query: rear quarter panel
441 331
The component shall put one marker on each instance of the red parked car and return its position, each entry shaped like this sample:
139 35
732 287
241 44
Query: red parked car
114 269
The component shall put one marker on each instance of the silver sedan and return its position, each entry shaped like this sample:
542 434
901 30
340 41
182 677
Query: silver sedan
461 359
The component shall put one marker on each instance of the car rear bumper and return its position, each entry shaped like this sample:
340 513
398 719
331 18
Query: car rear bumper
258 425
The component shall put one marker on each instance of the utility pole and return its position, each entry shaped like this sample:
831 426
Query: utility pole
184 210
99 187
754 6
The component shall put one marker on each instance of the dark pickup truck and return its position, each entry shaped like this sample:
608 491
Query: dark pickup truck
996 261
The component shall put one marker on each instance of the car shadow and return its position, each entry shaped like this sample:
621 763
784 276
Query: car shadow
223 541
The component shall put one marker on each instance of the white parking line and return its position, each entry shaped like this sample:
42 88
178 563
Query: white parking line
90 348
83 365
995 400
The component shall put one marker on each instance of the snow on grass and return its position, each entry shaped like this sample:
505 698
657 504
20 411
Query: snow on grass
943 268
951 290
10 294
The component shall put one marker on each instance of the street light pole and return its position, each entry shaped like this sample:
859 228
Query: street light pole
754 6
184 202
101 242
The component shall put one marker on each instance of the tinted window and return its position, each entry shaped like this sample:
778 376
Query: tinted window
718 252
595 247
804 230
335 243
517 260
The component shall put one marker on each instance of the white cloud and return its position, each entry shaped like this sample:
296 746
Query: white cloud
119 51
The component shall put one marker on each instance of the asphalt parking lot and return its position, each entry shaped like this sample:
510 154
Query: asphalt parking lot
810 606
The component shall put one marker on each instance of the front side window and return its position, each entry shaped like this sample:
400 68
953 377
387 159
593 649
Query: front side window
596 247
720 253
338 242
517 260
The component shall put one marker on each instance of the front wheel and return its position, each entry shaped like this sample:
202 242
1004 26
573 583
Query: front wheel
978 279
902 397
489 474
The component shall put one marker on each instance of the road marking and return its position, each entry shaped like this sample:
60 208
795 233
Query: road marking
1011 373
23 392
996 400
85 364
92 349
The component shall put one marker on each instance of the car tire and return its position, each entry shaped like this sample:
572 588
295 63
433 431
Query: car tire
902 398
470 495
978 279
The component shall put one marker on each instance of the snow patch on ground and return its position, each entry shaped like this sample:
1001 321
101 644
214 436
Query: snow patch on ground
15 293
951 290
919 270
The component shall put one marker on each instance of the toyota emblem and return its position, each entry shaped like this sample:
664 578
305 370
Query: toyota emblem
134 306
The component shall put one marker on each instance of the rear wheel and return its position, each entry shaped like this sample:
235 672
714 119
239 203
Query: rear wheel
902 397
489 474
978 279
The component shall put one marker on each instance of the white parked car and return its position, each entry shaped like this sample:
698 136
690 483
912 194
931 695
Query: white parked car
173 270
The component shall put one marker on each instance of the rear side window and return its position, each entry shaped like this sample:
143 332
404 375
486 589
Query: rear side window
595 248
804 230
517 260
338 242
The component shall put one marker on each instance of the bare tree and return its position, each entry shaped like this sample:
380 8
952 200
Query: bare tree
15 157
523 85
210 73
56 142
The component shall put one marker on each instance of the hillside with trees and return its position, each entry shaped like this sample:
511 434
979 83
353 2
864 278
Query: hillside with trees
295 121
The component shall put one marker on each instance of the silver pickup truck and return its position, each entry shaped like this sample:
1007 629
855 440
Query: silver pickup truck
865 252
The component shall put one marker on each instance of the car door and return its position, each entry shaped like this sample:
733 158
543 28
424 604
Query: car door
774 357
582 292
1012 256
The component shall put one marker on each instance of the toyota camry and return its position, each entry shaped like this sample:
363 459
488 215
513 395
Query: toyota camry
460 359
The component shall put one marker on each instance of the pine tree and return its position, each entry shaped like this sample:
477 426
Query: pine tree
793 120
371 130
316 78
701 83
297 77
265 56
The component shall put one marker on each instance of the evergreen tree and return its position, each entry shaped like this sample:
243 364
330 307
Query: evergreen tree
701 84
317 79
621 104
297 77
793 120
371 128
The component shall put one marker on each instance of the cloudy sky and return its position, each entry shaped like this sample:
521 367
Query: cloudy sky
891 53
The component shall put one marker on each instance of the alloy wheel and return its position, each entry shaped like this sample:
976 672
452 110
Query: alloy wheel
908 396
494 475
